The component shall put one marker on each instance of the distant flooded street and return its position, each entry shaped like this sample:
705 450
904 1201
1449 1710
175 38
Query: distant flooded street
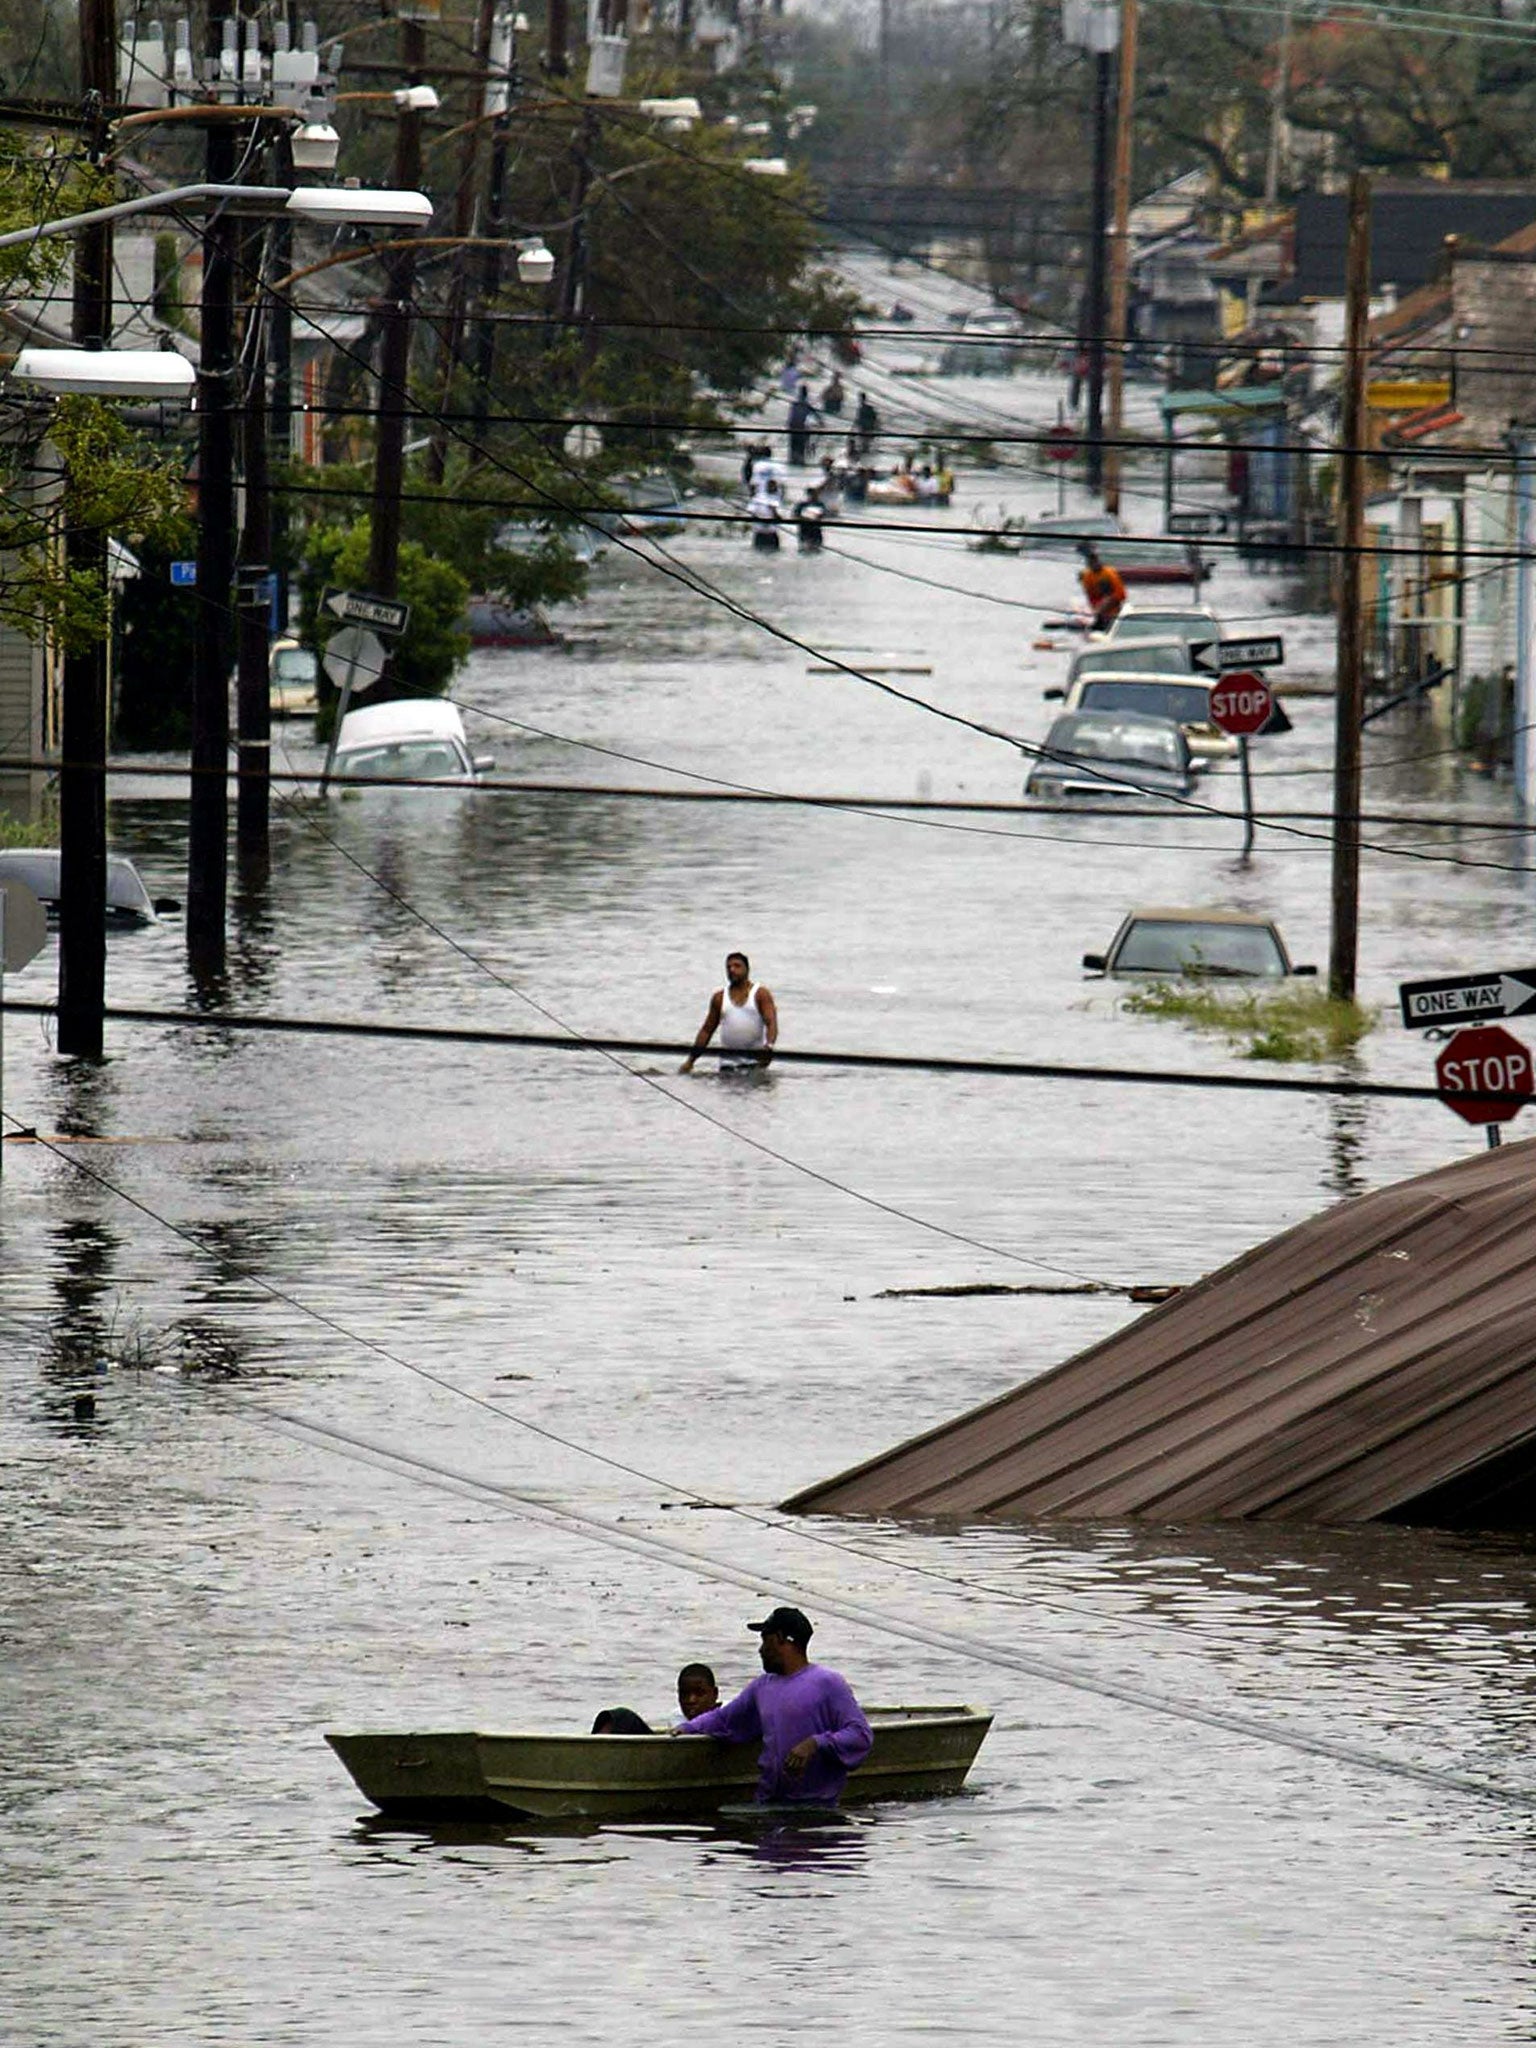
545 1271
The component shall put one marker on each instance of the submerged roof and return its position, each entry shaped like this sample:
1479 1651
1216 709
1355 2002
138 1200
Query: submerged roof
1378 1361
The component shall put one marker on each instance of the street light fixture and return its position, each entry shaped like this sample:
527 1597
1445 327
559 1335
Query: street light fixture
315 146
146 373
535 264
351 206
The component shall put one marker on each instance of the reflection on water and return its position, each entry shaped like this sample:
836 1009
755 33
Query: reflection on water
484 1257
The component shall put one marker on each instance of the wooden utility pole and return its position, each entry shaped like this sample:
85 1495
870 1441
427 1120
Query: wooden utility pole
395 345
1349 699
253 699
218 370
1095 310
451 334
499 87
1120 251
83 774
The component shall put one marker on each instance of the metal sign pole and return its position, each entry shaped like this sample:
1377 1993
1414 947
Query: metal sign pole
342 706
1243 762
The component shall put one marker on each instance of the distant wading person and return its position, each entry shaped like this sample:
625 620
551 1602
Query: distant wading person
812 1729
745 1015
1104 589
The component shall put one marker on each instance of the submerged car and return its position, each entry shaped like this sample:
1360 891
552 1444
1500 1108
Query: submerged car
1185 699
1165 622
413 739
1228 943
1144 657
1111 757
129 903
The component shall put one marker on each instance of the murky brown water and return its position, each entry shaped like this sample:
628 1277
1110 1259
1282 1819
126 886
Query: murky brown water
188 1598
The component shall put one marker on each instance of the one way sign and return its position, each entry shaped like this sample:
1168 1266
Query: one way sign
1217 657
357 608
1468 998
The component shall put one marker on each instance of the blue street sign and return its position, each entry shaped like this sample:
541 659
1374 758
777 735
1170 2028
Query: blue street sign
183 575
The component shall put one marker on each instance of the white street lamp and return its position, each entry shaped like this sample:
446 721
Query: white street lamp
340 205
351 206
146 373
315 146
535 264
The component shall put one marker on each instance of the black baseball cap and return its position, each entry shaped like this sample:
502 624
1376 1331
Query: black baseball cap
788 1622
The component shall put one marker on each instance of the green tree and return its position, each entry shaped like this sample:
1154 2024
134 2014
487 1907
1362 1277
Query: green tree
425 657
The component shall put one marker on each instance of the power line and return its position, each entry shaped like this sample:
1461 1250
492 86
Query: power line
568 1041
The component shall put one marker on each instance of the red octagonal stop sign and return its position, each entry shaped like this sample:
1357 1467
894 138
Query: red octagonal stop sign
1241 703
1485 1075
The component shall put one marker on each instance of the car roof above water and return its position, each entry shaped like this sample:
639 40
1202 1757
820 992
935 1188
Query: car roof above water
396 723
37 867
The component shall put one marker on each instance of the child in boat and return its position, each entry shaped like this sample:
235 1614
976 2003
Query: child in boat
621 1721
697 1692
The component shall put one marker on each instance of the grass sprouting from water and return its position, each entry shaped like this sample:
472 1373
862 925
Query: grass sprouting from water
1293 1022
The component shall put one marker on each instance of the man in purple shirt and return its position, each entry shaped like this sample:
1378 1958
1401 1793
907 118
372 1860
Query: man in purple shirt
811 1727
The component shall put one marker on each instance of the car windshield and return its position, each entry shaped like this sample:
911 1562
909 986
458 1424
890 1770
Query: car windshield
1164 626
1185 703
1166 946
1150 658
1126 742
293 665
405 761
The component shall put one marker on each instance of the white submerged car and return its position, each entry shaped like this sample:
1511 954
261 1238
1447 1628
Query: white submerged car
413 739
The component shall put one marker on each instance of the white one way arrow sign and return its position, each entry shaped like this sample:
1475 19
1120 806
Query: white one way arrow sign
1468 998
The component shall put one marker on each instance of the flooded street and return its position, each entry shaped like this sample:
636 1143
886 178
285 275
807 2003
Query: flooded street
659 1301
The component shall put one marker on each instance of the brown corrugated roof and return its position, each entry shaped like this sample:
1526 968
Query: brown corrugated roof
1377 1361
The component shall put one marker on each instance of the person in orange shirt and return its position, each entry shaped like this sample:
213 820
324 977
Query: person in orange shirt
1104 589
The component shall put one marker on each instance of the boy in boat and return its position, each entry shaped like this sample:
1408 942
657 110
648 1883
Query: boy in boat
697 1692
811 1727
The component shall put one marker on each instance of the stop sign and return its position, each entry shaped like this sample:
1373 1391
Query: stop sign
1060 443
1485 1075
1241 703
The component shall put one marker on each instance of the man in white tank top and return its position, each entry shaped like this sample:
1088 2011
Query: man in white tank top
744 1014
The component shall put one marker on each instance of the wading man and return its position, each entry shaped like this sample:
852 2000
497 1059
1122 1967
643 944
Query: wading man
811 1727
744 1014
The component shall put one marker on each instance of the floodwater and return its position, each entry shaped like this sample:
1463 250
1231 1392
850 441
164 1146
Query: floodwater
662 1303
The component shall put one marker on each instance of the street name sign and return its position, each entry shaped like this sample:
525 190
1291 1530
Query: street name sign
1241 703
357 608
355 658
1468 998
1192 525
1485 1075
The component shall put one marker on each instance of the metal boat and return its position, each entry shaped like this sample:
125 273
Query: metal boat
918 1752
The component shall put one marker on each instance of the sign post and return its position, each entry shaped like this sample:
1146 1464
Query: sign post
1060 448
1241 704
1486 1076
353 652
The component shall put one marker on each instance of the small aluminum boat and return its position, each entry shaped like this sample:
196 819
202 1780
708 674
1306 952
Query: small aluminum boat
918 1752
